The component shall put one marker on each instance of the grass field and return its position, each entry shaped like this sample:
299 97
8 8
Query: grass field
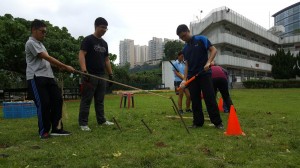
269 118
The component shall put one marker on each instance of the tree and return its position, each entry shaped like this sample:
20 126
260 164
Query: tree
172 48
282 65
13 35
112 58
14 32
297 65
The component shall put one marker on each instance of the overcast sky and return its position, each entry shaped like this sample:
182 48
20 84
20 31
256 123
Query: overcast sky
139 20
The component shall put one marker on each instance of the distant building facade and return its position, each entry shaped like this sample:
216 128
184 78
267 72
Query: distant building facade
155 50
126 52
288 17
139 55
244 47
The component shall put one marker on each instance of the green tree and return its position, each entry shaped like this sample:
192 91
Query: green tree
297 65
13 36
282 65
14 33
112 58
171 49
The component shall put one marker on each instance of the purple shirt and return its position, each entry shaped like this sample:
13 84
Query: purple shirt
218 72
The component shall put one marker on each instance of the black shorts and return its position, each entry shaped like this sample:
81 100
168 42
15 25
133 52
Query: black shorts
177 85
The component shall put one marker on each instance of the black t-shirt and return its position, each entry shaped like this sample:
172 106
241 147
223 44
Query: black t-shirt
97 51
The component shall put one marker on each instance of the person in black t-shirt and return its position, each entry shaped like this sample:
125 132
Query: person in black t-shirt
93 59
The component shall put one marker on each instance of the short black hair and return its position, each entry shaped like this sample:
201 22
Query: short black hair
36 24
179 53
182 28
100 21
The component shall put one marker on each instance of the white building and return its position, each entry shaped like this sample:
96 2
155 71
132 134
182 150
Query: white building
137 58
244 47
126 50
155 50
143 54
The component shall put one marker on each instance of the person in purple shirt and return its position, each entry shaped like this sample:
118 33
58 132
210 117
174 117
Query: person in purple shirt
220 82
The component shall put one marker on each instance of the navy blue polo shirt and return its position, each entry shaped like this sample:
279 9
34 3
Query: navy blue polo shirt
196 54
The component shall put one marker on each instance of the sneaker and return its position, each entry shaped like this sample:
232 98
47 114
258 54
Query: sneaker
46 135
220 126
180 112
108 123
188 111
60 132
85 128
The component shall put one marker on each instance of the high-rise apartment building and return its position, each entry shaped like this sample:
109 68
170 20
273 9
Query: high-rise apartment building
155 49
126 50
143 53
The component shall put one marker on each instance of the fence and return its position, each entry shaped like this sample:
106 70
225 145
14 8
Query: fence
21 94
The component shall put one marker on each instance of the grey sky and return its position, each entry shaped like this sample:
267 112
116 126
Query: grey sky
139 20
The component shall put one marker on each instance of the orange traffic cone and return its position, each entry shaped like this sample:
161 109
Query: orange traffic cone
233 126
220 105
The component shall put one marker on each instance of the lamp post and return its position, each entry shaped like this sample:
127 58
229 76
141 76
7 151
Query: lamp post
200 14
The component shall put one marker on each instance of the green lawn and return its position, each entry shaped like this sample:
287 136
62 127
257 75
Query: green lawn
269 118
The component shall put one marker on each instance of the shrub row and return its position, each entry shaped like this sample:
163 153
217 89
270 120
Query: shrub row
278 83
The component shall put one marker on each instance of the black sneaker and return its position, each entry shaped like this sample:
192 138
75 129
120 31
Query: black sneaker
188 111
60 132
180 112
46 135
220 126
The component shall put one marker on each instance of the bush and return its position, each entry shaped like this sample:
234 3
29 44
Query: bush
279 83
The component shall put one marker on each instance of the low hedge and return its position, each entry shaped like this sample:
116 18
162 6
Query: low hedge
277 83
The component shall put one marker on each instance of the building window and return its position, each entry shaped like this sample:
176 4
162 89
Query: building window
228 49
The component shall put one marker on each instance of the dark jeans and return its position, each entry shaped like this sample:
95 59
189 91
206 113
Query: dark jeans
48 100
92 88
221 84
204 84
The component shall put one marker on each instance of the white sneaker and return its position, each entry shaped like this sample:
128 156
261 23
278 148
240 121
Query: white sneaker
108 123
85 128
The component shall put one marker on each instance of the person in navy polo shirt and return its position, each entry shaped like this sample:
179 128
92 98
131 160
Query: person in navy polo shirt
195 51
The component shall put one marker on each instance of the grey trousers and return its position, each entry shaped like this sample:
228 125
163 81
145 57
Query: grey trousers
92 88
